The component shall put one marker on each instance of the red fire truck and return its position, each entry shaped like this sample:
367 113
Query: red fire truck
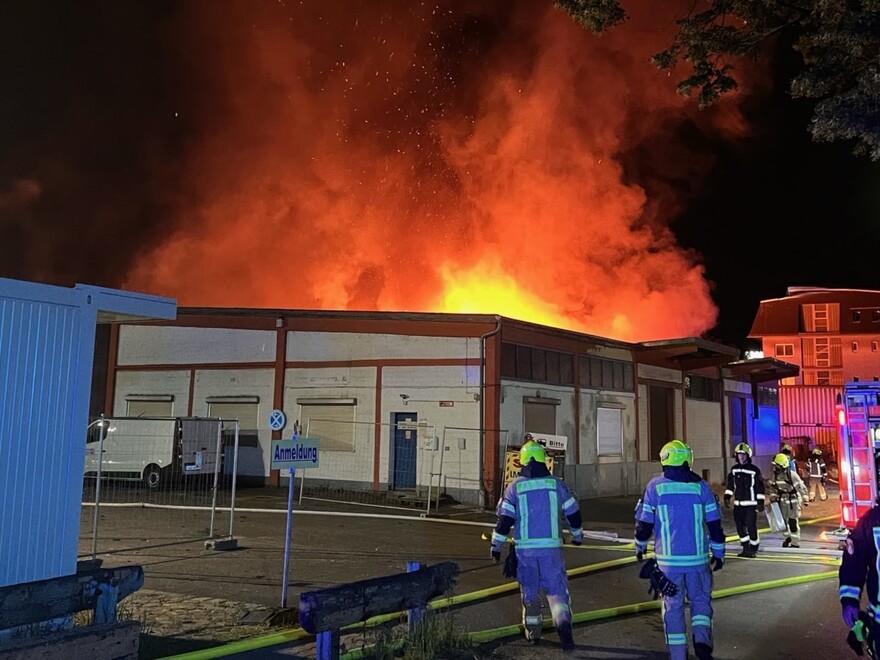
858 423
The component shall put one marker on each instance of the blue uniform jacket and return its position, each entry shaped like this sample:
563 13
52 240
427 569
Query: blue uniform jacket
678 507
858 568
531 505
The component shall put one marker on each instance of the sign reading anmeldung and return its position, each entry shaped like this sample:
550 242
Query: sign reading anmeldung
295 453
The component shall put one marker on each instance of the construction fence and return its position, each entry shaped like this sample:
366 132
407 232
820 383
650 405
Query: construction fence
180 469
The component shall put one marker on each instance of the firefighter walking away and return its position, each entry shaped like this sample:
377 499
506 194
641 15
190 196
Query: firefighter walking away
531 505
676 509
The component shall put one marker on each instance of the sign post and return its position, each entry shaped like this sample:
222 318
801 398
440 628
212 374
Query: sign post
292 454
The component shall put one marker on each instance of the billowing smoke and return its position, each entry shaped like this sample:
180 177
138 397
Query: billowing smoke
446 156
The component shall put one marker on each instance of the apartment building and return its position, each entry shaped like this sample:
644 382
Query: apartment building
833 336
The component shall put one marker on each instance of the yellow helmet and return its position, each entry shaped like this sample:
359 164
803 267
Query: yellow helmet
786 448
817 452
676 452
532 451
782 460
743 448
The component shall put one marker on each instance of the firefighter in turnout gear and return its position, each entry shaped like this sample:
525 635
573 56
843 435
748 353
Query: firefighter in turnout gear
531 505
787 488
676 509
745 486
817 473
858 572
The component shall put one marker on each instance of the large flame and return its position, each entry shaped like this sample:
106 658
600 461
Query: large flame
458 156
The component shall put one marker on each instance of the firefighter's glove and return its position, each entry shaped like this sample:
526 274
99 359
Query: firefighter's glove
760 506
850 615
823 480
511 564
577 536
641 548
859 633
495 554
717 563
727 501
659 585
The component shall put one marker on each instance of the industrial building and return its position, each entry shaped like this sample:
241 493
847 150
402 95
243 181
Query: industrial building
401 401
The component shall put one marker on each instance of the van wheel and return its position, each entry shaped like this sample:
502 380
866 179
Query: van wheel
152 476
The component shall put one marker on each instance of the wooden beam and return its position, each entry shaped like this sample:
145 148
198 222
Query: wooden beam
117 641
333 608
43 600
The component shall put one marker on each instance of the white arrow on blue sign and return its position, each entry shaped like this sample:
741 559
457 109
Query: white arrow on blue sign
295 453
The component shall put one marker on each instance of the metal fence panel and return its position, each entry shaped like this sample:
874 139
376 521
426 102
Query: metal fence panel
184 467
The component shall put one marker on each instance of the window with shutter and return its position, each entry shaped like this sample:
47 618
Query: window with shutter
609 426
332 424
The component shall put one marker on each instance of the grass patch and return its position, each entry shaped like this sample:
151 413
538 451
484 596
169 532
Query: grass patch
434 637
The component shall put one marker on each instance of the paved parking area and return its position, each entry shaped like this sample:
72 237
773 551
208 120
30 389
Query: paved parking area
212 589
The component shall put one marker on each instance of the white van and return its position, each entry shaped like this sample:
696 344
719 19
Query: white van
151 450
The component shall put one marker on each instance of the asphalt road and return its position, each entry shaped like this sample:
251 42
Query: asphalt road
338 546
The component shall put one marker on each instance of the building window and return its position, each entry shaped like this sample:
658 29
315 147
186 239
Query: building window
832 377
700 387
768 397
329 420
539 415
736 408
661 417
820 318
875 316
603 374
536 364
874 346
784 350
856 316
243 409
149 405
609 431
855 346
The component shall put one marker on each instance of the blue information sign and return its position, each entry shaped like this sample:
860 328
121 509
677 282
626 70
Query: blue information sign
295 453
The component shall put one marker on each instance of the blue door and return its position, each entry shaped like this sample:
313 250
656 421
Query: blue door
403 464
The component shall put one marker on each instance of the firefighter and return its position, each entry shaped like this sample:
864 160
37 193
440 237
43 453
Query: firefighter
858 572
745 486
531 505
792 462
817 472
675 508
789 490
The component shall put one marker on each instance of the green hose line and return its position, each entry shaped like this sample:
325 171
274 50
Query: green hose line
243 645
295 634
482 636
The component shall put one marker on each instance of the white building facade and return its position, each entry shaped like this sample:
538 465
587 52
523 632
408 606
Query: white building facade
401 401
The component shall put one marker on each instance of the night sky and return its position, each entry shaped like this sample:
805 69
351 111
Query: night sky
148 145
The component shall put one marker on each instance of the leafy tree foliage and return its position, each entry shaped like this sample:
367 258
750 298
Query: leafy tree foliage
838 40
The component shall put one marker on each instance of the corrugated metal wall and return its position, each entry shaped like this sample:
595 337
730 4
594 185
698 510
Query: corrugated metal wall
811 405
47 343
807 416
46 348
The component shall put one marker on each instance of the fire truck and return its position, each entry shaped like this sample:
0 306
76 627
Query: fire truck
858 423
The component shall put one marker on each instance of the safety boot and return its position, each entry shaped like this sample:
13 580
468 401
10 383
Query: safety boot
745 550
566 636
787 542
703 651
